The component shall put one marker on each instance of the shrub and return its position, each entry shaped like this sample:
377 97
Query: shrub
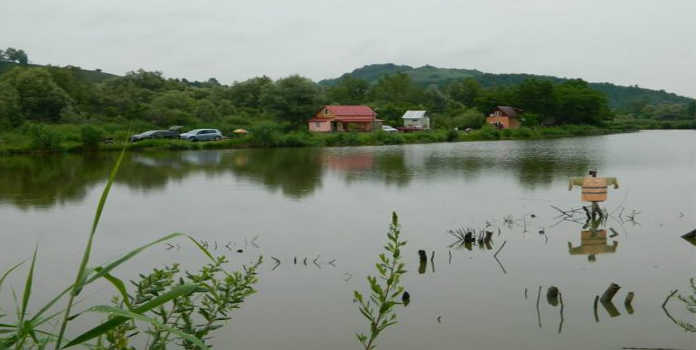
489 132
267 134
297 139
524 133
452 135
90 136
44 138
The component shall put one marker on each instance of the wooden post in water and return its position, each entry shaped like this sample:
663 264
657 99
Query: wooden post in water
423 260
609 293
553 296
628 303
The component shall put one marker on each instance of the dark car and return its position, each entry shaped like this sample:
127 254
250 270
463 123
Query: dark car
155 134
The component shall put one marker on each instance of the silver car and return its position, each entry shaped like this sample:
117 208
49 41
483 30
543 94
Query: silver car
202 135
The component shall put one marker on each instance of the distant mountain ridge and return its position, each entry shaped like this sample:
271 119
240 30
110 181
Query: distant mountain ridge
618 96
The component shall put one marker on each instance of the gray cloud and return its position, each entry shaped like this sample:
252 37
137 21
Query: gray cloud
646 42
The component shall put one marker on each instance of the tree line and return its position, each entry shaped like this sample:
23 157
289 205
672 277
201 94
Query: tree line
14 55
62 94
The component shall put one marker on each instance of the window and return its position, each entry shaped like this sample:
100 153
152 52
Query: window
317 124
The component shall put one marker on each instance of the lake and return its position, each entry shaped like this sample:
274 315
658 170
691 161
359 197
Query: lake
332 207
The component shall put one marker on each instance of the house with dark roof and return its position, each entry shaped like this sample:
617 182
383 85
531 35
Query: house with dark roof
505 117
344 118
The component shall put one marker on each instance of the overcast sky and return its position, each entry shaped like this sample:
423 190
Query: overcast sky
646 42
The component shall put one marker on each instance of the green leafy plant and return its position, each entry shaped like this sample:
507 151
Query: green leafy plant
385 289
44 138
90 136
198 313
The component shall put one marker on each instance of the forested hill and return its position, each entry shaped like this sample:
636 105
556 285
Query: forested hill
618 96
88 76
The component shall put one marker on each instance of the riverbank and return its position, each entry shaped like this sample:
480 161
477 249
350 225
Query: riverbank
75 138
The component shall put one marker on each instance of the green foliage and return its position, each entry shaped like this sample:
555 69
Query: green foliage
488 132
452 135
619 97
464 91
14 55
385 289
294 99
41 98
531 119
349 91
43 137
10 106
199 312
266 133
90 136
469 118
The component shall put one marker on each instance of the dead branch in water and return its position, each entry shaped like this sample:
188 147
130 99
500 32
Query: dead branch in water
499 249
537 305
595 308
561 313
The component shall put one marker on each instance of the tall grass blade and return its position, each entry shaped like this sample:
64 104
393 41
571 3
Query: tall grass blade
103 328
88 247
201 247
8 272
28 288
119 285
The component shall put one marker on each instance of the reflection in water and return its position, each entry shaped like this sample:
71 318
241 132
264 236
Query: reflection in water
45 181
593 242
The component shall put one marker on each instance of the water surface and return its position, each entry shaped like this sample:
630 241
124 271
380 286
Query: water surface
334 204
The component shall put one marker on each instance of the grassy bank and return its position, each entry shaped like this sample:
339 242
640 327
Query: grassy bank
82 138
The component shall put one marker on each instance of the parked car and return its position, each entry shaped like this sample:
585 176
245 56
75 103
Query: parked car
387 128
202 135
154 134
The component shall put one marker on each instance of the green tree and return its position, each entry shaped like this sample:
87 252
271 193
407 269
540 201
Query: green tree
488 99
294 99
14 55
249 93
10 106
536 96
464 91
349 90
397 88
469 118
41 98
172 107
206 111
579 104
690 111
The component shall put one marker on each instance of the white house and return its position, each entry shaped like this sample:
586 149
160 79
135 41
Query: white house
416 119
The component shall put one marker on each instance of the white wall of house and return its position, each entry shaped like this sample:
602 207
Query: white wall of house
417 123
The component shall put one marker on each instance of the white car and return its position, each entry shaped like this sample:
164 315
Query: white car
387 128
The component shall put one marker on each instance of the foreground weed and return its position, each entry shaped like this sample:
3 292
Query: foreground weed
386 293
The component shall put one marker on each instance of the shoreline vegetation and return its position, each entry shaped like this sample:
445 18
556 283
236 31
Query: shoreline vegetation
74 138
68 109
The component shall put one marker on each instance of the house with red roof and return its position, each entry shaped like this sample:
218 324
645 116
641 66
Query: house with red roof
344 118
505 117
